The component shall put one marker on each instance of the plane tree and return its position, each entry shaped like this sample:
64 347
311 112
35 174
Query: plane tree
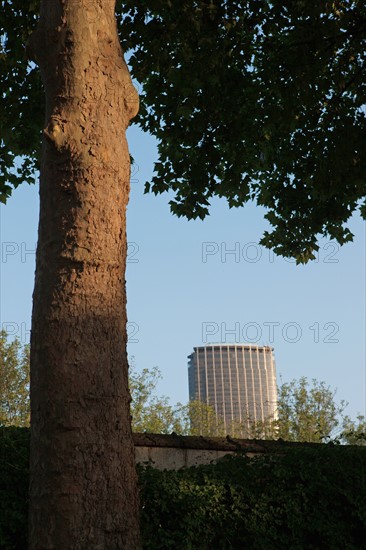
252 100
260 101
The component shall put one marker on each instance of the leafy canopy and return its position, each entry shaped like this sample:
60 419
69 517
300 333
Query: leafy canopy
153 413
149 412
14 383
253 100
305 412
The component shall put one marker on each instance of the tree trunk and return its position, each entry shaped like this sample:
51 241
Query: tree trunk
83 489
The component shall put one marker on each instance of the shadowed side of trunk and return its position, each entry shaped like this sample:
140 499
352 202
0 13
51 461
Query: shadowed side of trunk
83 491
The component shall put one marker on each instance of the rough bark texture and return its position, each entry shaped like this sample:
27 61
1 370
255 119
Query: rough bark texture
83 492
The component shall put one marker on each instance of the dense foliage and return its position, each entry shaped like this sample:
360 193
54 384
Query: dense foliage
21 97
14 459
306 411
256 100
252 100
304 497
14 382
154 413
150 412
307 496
354 431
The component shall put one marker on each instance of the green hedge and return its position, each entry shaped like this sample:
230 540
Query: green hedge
300 499
14 455
297 498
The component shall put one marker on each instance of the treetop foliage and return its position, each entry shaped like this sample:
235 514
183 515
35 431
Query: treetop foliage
306 411
150 413
21 97
153 413
14 383
254 100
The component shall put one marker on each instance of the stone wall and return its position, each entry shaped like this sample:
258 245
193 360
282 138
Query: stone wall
173 452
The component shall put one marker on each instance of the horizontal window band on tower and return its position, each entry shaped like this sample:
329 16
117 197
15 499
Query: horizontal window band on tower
237 380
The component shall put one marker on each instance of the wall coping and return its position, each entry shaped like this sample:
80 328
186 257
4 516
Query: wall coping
228 444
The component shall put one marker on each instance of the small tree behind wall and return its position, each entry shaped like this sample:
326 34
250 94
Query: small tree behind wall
14 382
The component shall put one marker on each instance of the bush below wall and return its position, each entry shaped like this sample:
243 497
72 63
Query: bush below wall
14 456
299 499
302 497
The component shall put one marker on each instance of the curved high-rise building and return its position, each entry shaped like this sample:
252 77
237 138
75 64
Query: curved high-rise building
237 380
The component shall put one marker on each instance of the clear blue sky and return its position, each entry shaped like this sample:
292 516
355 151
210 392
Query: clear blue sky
185 289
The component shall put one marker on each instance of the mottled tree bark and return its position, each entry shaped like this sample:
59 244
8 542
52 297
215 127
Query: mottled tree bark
83 492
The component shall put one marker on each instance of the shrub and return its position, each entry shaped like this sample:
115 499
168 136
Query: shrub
304 498
14 457
298 497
